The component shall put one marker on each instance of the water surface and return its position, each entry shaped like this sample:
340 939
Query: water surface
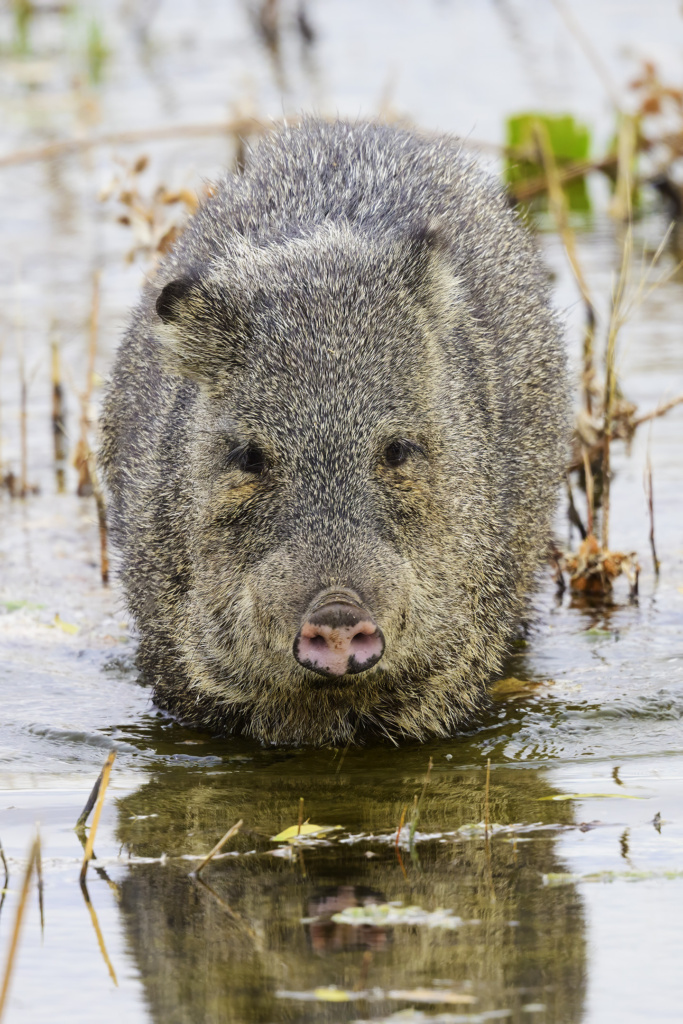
570 903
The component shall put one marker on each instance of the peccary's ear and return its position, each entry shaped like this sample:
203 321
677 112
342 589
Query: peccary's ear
201 327
169 304
428 270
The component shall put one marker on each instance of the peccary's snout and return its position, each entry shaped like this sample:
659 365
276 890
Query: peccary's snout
338 636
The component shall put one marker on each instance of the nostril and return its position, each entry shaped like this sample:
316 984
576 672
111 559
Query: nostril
318 641
364 639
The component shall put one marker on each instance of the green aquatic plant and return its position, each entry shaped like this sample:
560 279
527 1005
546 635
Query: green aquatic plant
570 144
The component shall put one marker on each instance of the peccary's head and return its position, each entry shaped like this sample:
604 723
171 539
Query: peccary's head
345 539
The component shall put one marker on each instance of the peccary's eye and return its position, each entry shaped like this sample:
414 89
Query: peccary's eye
247 457
399 451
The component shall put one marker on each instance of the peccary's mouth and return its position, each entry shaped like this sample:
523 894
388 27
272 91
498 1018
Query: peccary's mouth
338 636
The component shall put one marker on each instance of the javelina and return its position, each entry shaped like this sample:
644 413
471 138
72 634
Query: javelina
333 439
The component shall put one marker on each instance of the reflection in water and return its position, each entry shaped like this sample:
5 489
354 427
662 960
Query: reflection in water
263 923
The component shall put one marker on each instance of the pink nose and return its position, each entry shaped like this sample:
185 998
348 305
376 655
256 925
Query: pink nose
339 639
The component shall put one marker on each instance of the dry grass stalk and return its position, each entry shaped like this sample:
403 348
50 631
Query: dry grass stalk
59 437
219 845
33 856
103 783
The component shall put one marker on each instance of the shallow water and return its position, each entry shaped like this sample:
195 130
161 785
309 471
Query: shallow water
569 909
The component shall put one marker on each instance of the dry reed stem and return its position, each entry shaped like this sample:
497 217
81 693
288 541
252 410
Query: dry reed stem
418 803
67 147
90 802
616 321
590 491
98 932
39 873
557 202
623 209
58 420
486 798
651 511
661 410
5 866
362 983
238 128
85 486
98 495
219 845
34 853
226 906
399 858
627 144
400 825
104 782
5 884
625 432
523 191
301 816
23 414
2 352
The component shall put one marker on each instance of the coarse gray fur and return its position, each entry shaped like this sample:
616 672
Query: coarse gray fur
356 286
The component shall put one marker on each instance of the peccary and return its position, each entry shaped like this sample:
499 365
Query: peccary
333 440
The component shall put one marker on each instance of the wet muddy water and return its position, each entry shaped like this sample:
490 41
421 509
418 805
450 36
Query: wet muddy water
568 907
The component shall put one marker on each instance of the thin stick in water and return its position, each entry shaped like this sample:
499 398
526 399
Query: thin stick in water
59 437
219 845
486 797
16 931
39 873
23 418
301 816
400 825
101 516
104 782
90 802
98 932
418 803
651 511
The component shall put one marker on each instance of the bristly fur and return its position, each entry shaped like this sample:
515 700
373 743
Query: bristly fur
357 286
